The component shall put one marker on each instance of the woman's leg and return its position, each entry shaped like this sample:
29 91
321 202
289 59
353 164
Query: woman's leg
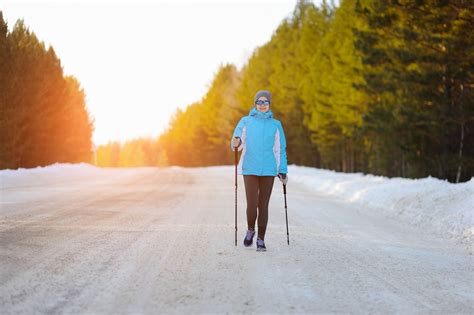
251 192
265 191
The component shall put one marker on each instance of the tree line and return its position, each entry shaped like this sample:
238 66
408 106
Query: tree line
43 115
372 86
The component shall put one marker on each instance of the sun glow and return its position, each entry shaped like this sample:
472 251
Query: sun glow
138 63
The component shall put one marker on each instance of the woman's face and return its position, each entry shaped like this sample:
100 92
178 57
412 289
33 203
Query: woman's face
262 104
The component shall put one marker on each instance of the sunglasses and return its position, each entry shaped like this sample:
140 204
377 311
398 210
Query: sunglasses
259 102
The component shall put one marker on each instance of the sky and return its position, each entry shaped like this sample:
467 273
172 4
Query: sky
138 61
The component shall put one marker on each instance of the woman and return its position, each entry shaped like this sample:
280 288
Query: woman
263 144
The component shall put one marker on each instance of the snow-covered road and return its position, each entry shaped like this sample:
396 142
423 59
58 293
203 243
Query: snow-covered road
162 241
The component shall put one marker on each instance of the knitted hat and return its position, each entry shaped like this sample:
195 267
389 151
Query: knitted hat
261 93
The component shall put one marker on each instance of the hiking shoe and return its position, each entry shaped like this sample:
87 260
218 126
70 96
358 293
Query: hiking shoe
261 246
248 240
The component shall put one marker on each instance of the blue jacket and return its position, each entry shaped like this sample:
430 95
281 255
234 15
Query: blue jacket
263 145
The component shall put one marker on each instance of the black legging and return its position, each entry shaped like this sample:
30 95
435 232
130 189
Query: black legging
258 190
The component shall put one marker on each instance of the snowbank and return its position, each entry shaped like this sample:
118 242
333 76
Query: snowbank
56 168
429 203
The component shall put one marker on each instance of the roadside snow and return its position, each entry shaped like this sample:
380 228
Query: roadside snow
428 203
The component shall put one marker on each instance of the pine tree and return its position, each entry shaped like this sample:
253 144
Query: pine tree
205 127
43 114
6 143
334 107
419 67
281 66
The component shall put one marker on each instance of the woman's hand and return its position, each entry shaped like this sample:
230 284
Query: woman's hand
236 142
283 178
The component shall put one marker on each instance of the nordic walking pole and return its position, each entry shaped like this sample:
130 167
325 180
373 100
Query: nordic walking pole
286 214
235 162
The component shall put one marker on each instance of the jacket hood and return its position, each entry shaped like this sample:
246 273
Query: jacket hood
255 113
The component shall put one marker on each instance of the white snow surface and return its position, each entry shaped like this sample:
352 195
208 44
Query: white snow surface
78 239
